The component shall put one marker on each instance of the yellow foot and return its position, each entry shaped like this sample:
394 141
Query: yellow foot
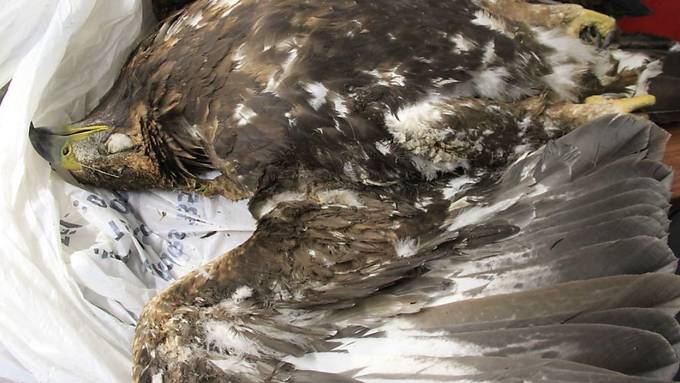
592 26
623 105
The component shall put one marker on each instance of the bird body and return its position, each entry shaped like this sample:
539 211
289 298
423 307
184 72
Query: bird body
328 82
418 202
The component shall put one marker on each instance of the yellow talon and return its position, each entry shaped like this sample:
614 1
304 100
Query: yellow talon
624 105
604 24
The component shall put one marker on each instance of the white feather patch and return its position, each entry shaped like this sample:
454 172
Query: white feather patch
229 337
318 92
243 114
342 197
415 119
461 44
430 169
458 184
478 214
492 83
196 20
406 247
390 77
271 203
629 60
486 19
570 59
290 46
383 147
242 293
365 353
339 104
420 128
489 53
652 70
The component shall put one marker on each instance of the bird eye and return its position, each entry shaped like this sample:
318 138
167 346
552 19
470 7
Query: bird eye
66 150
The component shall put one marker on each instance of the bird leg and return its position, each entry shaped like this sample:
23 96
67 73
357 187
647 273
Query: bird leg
578 21
594 107
625 105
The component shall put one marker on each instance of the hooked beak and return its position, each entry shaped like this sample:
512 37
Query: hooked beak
47 143
50 144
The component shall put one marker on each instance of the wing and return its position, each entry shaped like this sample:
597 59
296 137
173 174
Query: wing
557 271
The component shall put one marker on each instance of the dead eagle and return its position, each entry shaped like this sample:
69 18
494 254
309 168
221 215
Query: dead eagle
405 233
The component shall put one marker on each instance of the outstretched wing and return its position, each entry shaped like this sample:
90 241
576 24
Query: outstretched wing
557 271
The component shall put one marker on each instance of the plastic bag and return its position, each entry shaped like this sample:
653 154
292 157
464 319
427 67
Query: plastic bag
78 265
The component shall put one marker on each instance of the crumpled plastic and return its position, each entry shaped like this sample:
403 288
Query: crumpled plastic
78 264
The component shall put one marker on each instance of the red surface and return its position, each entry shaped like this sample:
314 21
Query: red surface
664 21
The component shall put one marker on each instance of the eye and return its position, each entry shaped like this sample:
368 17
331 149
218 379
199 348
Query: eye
118 143
66 150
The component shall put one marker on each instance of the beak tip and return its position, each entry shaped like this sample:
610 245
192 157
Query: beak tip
48 144
42 141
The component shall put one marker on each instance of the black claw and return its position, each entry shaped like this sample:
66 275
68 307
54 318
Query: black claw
611 37
591 35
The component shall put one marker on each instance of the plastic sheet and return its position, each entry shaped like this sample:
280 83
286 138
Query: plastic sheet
77 265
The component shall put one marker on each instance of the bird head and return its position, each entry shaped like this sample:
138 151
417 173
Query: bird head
98 153
156 129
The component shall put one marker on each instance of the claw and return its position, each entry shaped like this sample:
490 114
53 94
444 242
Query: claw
624 105
593 27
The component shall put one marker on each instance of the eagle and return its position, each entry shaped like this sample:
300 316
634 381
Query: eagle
443 190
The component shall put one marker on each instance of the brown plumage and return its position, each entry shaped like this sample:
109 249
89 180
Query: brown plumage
385 148
262 80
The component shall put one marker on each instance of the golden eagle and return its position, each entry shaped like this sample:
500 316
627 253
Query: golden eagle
413 223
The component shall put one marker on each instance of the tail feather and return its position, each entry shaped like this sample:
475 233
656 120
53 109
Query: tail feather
560 302
553 244
565 210
556 223
623 141
639 254
477 369
624 349
647 319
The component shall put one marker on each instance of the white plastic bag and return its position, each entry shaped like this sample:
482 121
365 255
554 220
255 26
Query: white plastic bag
78 265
